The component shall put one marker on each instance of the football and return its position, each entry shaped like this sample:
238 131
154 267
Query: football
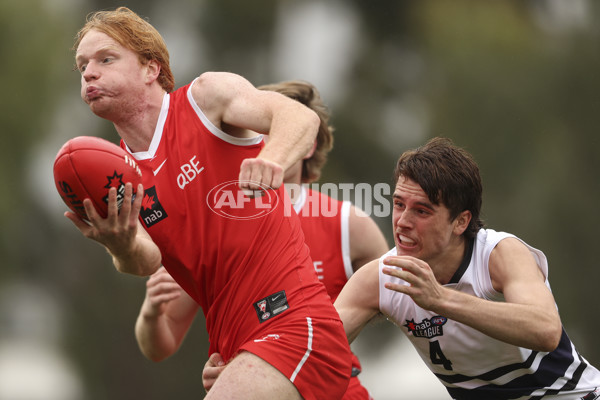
87 167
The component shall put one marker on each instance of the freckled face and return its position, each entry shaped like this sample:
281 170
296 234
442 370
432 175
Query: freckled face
112 76
421 228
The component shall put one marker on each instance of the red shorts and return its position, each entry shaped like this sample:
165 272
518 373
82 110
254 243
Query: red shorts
356 391
313 353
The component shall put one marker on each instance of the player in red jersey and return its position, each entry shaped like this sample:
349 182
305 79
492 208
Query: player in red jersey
341 238
240 257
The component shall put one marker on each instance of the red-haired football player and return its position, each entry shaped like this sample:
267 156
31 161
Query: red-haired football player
240 257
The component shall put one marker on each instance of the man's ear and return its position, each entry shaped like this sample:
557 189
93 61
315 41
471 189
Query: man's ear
461 223
152 71
311 152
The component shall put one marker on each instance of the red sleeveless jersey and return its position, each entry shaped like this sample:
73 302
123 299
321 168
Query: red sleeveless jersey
243 260
325 223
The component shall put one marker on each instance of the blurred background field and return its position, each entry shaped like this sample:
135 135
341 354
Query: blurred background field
514 82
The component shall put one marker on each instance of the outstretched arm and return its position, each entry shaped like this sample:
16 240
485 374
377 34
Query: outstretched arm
358 302
165 317
528 317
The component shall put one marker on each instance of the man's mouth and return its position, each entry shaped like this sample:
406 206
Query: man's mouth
92 93
405 241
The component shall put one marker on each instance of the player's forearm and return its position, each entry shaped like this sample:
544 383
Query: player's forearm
154 337
142 259
522 325
290 140
354 314
353 323
358 302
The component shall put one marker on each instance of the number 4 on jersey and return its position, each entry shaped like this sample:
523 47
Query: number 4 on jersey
437 356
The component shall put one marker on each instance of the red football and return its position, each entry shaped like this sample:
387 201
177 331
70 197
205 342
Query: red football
87 167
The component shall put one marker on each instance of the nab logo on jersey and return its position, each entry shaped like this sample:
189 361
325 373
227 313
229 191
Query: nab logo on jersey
152 211
428 328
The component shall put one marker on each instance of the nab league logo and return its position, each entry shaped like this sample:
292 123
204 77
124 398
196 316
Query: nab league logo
428 328
229 201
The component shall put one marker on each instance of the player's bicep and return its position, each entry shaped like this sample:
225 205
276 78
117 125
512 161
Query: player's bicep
515 274
229 99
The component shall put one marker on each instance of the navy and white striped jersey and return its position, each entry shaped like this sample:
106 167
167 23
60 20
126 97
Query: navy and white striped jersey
473 365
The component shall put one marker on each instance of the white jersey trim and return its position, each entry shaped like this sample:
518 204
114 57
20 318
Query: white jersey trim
216 131
345 229
158 131
301 200
345 220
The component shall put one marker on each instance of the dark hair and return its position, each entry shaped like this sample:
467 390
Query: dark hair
448 175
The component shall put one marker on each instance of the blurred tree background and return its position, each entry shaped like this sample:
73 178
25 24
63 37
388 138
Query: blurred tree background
514 82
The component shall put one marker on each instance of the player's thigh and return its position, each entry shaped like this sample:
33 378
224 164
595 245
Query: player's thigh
249 377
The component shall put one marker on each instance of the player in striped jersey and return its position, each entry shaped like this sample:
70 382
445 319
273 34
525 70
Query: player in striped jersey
475 303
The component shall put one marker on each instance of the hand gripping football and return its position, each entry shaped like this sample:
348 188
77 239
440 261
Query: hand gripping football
87 167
